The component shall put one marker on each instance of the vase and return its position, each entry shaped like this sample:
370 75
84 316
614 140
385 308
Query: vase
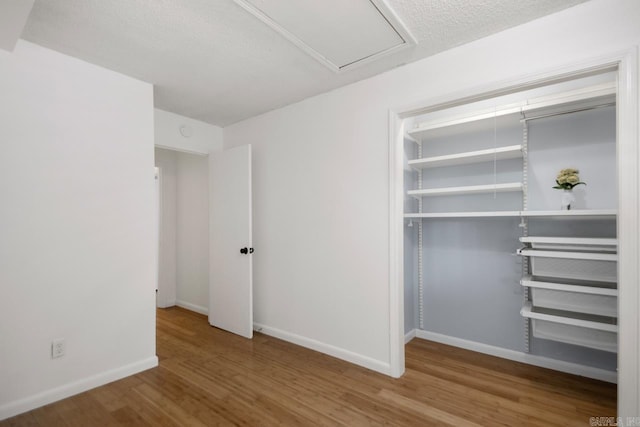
567 199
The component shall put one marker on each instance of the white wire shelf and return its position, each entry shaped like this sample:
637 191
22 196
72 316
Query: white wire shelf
594 256
500 153
481 121
594 288
573 214
584 322
462 214
472 189
575 296
585 330
573 241
572 258
580 244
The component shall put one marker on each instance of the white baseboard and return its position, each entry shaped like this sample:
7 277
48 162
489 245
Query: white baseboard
193 307
44 398
409 336
337 352
518 356
166 304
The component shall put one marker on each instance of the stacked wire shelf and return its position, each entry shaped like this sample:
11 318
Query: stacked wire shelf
573 285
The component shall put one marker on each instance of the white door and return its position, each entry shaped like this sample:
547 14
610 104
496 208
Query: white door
230 245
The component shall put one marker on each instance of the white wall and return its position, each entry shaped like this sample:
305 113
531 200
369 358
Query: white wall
13 17
203 138
167 161
77 255
192 240
321 172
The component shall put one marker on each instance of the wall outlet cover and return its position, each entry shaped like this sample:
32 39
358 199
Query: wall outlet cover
58 348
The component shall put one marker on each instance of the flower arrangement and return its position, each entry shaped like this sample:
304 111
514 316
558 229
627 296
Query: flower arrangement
567 179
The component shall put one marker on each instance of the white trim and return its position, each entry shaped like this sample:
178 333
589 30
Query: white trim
396 248
340 353
192 307
626 62
398 25
392 19
157 192
52 395
409 336
518 356
194 151
628 244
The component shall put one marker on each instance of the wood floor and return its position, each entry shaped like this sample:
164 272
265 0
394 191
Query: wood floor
208 377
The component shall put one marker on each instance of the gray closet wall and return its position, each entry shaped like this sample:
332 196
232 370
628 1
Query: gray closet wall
471 270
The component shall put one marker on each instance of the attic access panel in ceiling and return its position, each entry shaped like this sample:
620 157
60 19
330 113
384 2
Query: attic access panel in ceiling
340 34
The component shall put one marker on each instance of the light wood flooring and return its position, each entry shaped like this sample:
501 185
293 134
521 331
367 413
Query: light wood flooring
208 377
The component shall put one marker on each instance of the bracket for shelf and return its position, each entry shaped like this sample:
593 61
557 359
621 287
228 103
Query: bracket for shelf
524 224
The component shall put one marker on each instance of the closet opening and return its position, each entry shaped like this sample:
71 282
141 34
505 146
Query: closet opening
514 223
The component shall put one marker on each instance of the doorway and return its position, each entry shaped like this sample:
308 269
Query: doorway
183 268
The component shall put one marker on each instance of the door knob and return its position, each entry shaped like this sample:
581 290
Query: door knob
244 251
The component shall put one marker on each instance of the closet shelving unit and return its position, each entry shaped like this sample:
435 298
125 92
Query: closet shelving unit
560 103
561 304
573 290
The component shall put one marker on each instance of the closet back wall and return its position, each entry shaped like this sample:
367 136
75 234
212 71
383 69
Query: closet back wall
471 273
192 236
584 140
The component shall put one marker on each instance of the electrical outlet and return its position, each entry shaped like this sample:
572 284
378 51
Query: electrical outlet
58 348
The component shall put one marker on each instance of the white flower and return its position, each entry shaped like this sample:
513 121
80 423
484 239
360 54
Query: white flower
568 178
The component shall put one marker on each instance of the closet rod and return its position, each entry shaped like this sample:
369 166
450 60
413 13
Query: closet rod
542 116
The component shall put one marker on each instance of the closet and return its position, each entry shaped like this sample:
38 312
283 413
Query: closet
493 260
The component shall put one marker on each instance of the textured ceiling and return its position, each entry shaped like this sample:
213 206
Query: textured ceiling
213 61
